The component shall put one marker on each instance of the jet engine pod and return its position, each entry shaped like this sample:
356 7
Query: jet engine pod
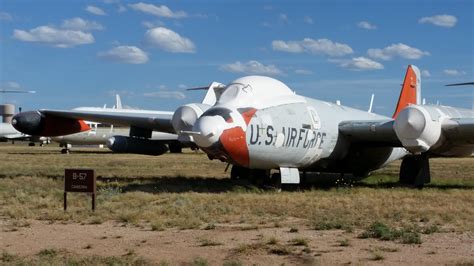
416 129
122 144
37 124
186 116
28 122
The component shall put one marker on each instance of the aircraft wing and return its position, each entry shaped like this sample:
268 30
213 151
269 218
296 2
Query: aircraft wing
159 121
459 131
370 133
453 131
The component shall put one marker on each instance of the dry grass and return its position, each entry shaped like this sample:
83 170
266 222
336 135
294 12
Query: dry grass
61 257
189 191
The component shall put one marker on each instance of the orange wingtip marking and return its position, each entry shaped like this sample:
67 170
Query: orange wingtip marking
234 142
83 126
408 94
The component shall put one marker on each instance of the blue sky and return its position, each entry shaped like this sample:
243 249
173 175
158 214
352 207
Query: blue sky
79 53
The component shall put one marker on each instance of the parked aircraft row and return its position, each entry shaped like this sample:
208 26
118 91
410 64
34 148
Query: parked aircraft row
102 134
258 124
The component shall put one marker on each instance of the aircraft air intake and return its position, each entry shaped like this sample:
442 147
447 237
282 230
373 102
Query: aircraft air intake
416 129
186 116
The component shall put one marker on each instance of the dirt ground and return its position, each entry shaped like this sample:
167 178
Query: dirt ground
143 219
233 243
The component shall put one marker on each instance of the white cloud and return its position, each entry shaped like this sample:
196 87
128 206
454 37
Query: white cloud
125 54
153 24
359 63
159 11
303 72
11 85
454 72
446 21
5 16
308 20
252 67
425 73
366 25
308 45
169 41
81 24
290 46
63 38
399 49
95 10
284 18
267 7
121 9
166 94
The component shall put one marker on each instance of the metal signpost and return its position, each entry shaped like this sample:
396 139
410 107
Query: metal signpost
79 180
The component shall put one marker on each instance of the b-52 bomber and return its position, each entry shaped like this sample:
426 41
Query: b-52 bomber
259 124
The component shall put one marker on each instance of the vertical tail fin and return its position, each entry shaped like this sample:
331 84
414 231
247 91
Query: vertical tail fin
118 102
213 92
411 90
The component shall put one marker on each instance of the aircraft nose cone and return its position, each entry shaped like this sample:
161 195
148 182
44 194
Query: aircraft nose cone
27 122
209 128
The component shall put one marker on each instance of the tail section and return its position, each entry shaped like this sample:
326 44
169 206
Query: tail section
213 93
411 90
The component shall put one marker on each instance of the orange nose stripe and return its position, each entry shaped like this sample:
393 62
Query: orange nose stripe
235 144
247 115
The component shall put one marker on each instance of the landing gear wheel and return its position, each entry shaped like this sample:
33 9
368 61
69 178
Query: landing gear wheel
31 144
415 171
65 151
259 177
408 171
239 173
175 148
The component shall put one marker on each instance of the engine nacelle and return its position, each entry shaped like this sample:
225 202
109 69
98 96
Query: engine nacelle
417 129
186 116
37 124
122 144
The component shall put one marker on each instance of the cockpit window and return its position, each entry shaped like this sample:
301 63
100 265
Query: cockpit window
233 91
224 112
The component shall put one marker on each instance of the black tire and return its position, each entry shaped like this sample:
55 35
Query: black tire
235 173
409 170
175 148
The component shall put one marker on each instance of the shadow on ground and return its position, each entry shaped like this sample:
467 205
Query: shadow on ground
220 185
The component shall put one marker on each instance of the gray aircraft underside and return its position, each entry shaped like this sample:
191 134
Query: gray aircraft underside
101 135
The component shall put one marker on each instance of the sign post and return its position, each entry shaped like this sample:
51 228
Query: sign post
80 180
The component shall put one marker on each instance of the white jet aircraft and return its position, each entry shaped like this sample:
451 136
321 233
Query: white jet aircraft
8 132
258 124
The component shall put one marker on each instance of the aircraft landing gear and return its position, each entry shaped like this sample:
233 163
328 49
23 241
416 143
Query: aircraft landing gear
175 148
66 149
255 176
415 171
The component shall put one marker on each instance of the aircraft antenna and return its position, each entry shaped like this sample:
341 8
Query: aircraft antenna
371 103
460 84
16 91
